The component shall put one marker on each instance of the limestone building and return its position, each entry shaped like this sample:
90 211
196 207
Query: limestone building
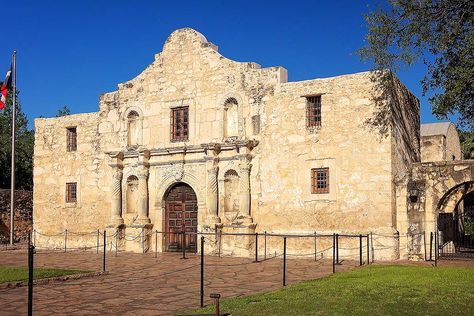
201 143
440 142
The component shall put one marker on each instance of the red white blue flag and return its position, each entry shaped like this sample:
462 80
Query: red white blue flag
6 86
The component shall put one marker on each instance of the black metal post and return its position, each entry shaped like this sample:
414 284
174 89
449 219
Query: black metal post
65 240
315 248
360 250
156 243
424 245
333 253
34 237
98 239
284 261
256 247
436 248
105 250
265 246
183 245
202 271
372 247
431 246
31 251
368 250
116 242
337 248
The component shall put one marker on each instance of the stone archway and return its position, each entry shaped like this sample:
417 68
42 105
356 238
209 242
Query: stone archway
455 221
181 215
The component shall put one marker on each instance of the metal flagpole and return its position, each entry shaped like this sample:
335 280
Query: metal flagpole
12 193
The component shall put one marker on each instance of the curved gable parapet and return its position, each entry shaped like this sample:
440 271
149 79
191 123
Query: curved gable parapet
186 38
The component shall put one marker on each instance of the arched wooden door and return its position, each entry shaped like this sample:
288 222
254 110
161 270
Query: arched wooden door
181 215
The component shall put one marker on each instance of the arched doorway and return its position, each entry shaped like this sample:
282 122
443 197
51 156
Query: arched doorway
456 221
181 215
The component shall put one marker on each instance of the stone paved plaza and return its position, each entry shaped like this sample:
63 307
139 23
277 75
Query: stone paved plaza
139 284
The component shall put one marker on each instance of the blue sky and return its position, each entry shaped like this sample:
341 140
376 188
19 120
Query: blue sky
69 52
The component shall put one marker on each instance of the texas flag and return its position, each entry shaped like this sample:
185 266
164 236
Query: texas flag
6 85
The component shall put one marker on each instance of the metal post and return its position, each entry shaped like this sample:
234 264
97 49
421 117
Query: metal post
424 245
156 243
65 240
436 248
34 237
183 245
12 183
372 247
265 246
337 248
431 246
256 247
202 271
31 251
98 238
216 298
315 248
284 261
360 250
368 250
333 253
105 249
116 242
142 239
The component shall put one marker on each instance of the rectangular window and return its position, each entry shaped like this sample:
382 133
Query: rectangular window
71 135
313 111
320 180
179 124
71 192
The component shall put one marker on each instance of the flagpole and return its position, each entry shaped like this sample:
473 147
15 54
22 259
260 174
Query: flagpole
12 193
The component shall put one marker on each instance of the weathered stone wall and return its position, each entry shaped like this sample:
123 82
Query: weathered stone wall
442 147
54 166
270 154
433 148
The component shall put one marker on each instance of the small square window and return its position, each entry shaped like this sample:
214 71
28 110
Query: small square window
71 192
179 124
313 111
71 136
320 180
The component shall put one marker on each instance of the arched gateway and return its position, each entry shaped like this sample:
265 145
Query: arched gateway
181 215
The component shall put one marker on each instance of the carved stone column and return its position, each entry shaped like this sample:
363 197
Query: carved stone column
116 216
244 206
212 195
143 196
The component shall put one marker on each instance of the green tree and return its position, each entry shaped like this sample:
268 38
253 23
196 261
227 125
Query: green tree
439 32
24 148
63 111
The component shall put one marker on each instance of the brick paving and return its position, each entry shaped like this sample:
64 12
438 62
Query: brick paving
139 284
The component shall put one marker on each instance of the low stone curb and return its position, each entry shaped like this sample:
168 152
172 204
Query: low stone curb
11 285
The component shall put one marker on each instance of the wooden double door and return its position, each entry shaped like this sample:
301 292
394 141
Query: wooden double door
181 216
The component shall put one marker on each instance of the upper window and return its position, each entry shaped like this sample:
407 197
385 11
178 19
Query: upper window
313 111
71 135
320 180
71 192
179 124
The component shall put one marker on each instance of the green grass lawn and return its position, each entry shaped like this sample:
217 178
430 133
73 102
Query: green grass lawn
12 274
374 290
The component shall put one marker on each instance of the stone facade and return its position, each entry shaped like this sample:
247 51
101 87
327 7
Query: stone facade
440 142
248 155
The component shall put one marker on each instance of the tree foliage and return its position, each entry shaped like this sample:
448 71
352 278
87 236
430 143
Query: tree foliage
23 148
439 32
63 111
